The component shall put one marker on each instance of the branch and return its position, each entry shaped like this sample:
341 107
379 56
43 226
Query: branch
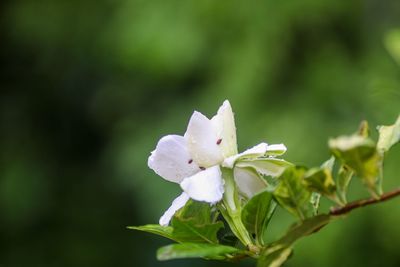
364 202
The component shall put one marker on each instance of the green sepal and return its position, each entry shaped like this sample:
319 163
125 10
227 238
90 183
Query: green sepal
196 250
291 193
257 213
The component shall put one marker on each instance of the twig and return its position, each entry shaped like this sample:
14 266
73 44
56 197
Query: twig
364 202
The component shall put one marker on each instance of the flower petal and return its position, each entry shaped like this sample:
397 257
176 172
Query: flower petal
266 166
258 150
171 159
276 150
178 203
202 141
248 181
205 186
224 125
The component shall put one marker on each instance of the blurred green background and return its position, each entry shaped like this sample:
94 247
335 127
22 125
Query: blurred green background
88 88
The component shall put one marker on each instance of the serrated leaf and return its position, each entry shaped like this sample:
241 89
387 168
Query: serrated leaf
343 181
291 193
265 166
360 154
195 250
189 230
165 231
276 258
388 136
257 213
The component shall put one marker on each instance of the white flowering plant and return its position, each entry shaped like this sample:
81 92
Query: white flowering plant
228 198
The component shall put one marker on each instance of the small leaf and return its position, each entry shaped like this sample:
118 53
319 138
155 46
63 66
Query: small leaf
320 180
195 250
363 129
329 164
314 200
343 180
360 154
275 258
189 230
266 166
257 213
388 136
165 231
291 194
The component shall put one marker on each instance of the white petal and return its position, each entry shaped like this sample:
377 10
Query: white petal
258 150
171 159
276 149
266 166
178 203
202 141
224 125
205 186
248 181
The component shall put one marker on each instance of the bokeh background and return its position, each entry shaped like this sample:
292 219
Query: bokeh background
88 88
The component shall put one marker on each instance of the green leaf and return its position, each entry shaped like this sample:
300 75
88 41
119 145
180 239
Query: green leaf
192 223
363 129
360 154
266 166
189 230
275 258
388 136
278 252
329 164
291 193
257 213
165 231
392 43
195 250
302 229
344 177
320 180
196 210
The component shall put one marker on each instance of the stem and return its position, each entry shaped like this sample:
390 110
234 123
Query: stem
364 202
231 209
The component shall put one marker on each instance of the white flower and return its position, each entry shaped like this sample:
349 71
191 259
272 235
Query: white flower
194 160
